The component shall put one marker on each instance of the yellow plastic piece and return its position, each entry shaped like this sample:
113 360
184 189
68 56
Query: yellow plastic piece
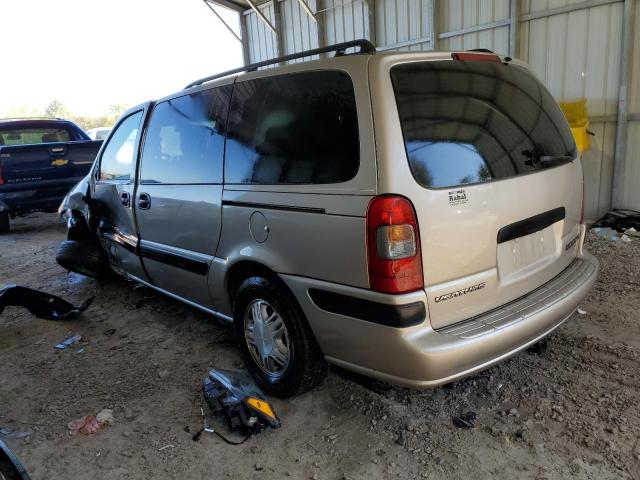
578 118
261 406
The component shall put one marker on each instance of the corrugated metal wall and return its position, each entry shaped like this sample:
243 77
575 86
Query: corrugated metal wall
344 20
400 22
262 41
631 185
576 54
301 32
455 15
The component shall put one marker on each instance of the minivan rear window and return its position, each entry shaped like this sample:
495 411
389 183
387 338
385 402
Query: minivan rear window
474 122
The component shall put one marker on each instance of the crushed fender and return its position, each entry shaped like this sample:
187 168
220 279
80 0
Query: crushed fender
41 304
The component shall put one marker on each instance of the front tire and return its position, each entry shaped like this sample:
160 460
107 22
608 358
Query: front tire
4 222
279 348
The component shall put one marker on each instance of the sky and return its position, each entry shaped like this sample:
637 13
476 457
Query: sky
91 54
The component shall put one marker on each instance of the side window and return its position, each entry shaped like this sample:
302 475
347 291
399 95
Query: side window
185 139
298 128
117 158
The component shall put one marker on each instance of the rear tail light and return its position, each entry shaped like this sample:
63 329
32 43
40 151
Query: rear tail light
1 179
393 246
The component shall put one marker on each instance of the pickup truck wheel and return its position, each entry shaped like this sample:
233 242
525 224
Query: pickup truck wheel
84 258
279 348
4 222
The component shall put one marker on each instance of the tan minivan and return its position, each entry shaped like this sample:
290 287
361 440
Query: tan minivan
415 217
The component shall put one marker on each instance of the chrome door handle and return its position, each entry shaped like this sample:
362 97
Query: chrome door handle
125 198
144 201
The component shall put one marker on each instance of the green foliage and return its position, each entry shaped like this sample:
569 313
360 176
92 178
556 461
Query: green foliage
56 109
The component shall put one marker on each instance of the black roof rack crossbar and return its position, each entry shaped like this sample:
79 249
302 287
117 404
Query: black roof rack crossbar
365 47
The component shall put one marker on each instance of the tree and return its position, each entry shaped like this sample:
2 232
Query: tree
117 109
56 110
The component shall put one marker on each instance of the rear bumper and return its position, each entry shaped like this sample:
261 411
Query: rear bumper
25 197
421 357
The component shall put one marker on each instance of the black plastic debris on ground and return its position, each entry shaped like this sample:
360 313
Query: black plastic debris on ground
41 304
619 220
466 420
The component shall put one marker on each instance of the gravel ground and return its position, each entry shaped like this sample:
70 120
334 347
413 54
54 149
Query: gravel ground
568 411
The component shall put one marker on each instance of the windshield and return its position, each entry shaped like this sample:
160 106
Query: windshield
473 122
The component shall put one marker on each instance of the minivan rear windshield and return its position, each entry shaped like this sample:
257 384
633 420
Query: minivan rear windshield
474 122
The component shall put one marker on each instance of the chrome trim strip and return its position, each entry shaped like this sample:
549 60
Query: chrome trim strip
221 316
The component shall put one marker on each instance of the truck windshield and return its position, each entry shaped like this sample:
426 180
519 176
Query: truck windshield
474 122
27 136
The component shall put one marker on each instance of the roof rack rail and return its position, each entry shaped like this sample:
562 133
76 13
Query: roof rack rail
365 47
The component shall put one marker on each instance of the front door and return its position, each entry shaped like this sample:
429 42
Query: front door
179 193
114 188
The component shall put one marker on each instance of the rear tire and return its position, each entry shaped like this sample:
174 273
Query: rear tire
305 366
84 258
4 222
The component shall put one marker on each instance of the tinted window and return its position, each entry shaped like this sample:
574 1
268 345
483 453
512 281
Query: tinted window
293 129
472 122
31 135
118 156
185 139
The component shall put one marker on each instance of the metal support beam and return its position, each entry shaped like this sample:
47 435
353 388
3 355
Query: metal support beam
371 17
408 43
321 25
222 20
566 9
230 4
514 28
277 13
306 8
261 15
246 57
622 129
477 28
435 25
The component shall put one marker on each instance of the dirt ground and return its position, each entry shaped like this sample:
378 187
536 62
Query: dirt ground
570 411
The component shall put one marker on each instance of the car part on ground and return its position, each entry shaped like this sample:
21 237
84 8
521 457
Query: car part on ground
41 304
280 351
10 466
234 395
620 220
68 342
86 258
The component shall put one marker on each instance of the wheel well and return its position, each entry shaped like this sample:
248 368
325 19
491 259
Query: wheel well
245 269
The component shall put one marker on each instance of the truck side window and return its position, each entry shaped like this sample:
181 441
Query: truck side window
185 139
117 158
299 128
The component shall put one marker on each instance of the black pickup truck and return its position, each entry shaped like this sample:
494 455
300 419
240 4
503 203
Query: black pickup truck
40 160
